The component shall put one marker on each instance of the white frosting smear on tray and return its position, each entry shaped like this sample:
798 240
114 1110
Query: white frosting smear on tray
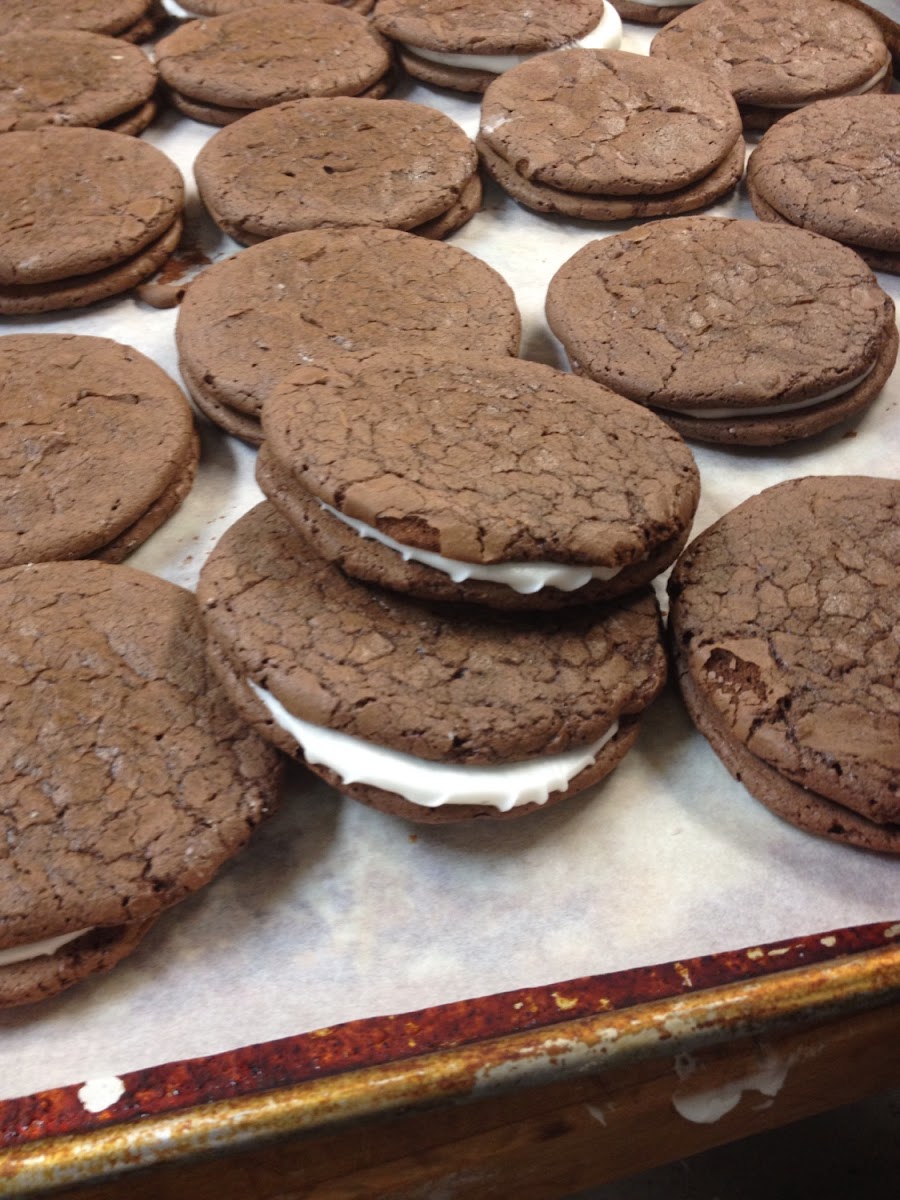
605 36
432 784
526 578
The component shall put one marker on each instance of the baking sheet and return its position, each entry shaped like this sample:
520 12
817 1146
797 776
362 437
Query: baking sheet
336 912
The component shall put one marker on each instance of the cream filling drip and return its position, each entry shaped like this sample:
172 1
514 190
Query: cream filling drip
526 578
765 410
40 949
605 36
432 784
857 91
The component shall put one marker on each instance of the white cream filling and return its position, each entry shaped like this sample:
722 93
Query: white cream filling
606 36
526 578
766 410
432 784
665 4
38 949
857 91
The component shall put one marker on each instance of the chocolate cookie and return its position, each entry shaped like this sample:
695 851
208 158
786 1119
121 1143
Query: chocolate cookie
222 68
307 297
322 162
784 617
829 168
128 778
68 77
607 135
795 335
775 57
97 446
466 46
432 713
215 8
650 12
131 20
498 481
84 213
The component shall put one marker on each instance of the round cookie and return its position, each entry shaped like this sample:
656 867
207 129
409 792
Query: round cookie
216 8
610 135
115 17
430 690
827 168
70 78
784 617
257 57
98 448
129 778
307 297
774 57
650 12
795 336
76 202
466 46
499 481
339 161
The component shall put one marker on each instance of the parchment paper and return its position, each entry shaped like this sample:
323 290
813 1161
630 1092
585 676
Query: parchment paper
336 912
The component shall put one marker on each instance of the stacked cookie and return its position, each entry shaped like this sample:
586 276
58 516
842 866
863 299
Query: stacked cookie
69 77
796 336
87 214
219 69
392 617
339 162
784 618
130 20
609 136
467 46
775 57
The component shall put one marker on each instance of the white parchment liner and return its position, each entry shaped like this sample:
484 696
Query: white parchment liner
336 912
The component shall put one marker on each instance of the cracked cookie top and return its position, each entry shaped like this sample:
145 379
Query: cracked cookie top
97 16
305 297
767 52
785 615
91 434
608 122
265 55
834 168
487 26
73 201
439 682
336 161
485 461
697 312
69 77
127 777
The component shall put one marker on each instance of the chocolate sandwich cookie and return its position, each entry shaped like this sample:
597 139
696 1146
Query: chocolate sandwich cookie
794 336
456 478
324 162
650 12
221 68
84 214
97 445
433 713
131 20
215 8
830 168
305 298
128 778
466 46
68 77
775 57
784 618
606 135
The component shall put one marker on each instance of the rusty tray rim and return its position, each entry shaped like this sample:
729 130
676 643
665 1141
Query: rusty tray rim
376 1066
